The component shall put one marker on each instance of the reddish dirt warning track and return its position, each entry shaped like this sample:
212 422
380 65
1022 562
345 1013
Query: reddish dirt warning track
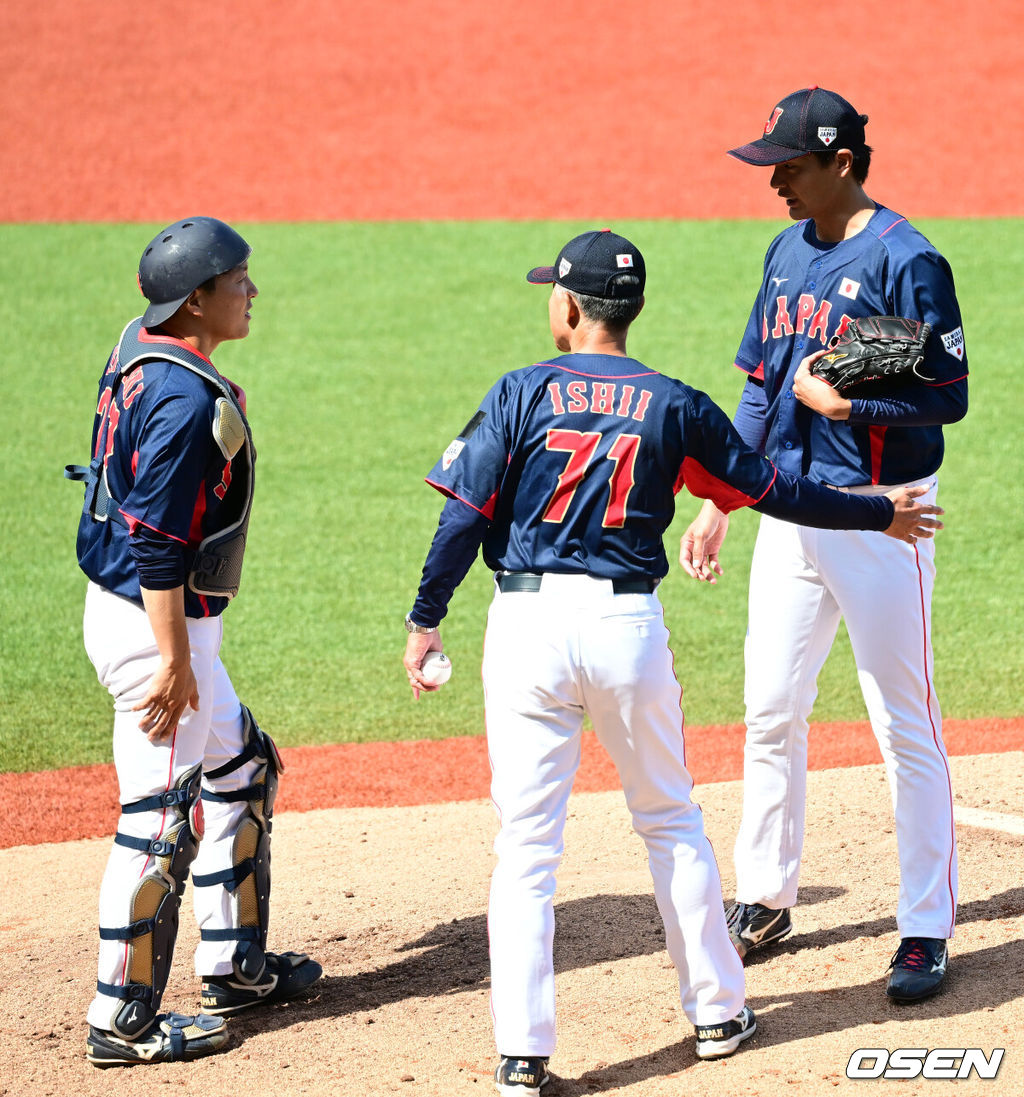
329 109
33 806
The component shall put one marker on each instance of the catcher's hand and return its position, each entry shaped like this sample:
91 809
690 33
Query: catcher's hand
874 349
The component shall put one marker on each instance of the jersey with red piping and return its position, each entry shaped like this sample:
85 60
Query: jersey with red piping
576 461
809 291
163 467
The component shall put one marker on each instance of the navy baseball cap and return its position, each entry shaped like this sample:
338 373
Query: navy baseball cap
811 120
589 264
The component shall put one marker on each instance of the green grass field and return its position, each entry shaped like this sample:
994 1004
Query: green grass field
371 346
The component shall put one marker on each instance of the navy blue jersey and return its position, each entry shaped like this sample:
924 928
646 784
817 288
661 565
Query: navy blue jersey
572 466
576 463
166 472
810 291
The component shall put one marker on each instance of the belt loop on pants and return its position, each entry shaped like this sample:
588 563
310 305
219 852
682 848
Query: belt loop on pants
522 582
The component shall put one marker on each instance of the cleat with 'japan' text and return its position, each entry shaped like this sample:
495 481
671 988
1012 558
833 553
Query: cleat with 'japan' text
721 1040
285 975
523 1077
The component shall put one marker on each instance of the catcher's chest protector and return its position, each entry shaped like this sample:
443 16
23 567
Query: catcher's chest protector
215 567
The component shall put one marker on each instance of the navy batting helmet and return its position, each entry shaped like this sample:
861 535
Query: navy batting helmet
183 257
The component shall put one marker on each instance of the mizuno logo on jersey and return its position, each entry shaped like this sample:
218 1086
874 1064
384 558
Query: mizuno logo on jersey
953 341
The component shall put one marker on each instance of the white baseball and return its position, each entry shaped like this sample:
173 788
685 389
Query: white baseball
436 668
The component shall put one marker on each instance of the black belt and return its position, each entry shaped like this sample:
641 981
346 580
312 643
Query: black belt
529 581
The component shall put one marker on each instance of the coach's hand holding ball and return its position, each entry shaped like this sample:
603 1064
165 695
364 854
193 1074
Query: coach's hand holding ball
426 665
436 668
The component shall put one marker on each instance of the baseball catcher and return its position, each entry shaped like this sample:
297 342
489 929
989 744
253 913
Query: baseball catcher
162 535
873 349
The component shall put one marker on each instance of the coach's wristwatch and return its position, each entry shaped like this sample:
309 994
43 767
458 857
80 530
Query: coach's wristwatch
411 626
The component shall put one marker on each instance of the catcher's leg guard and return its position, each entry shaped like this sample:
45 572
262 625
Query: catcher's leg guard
257 976
248 879
153 915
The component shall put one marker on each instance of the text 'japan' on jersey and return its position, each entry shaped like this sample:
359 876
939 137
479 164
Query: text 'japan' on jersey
810 291
577 461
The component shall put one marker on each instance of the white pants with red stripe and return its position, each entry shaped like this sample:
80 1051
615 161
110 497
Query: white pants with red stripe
549 657
802 581
121 646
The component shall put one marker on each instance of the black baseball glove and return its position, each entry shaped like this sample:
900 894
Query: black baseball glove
874 349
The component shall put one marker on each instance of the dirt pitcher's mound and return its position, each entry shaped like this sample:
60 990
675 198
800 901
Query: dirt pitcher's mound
393 902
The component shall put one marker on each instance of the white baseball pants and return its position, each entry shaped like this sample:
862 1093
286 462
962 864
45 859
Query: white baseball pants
802 582
549 657
121 646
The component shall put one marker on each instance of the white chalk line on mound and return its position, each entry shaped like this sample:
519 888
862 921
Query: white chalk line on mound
989 820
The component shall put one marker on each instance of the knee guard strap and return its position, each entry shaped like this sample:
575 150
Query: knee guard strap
248 879
153 911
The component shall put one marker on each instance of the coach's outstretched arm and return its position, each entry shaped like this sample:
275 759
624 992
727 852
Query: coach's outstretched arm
799 500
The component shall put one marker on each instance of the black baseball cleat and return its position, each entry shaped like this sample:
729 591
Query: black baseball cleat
918 969
286 974
171 1037
752 925
718 1041
521 1077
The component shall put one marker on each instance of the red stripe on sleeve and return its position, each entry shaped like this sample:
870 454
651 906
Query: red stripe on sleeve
704 485
757 374
134 523
487 510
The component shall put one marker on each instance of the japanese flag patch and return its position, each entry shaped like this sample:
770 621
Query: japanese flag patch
850 289
624 260
451 453
953 341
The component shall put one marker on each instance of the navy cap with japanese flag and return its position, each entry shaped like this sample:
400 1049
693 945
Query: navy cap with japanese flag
591 264
811 120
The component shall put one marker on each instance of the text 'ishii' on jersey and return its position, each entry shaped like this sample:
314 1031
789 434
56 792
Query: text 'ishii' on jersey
599 398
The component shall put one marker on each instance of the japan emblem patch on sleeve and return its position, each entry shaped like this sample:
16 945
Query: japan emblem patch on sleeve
451 453
953 341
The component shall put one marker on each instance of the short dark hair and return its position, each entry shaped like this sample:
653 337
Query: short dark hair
861 157
616 313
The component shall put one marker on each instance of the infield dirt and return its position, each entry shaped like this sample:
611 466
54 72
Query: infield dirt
393 902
